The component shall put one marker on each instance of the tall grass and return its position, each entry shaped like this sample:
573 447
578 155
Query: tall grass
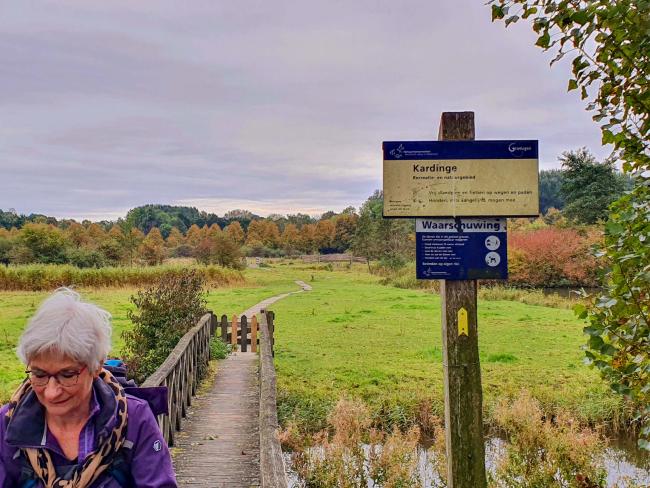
538 451
37 277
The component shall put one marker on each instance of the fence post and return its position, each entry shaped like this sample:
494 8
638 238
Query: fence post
233 331
213 323
254 334
243 343
270 318
224 328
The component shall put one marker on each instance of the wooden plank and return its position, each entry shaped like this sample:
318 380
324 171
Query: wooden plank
224 328
219 444
462 371
254 334
233 331
243 340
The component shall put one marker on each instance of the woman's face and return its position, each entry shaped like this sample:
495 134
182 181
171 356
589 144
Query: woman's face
60 400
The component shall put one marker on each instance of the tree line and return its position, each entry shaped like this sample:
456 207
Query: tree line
579 193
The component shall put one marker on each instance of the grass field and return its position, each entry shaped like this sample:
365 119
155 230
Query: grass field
352 336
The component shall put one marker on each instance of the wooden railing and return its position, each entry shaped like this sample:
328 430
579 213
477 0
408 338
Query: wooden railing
181 373
332 258
245 332
272 469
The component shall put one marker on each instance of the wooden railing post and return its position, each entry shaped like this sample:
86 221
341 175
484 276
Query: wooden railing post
224 328
271 317
243 341
213 323
254 334
233 331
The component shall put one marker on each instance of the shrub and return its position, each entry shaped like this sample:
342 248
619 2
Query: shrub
164 313
552 256
218 348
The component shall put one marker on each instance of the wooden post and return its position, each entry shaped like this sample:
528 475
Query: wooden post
233 331
271 318
462 371
224 328
213 323
254 334
243 341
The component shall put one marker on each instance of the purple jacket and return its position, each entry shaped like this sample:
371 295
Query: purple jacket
144 456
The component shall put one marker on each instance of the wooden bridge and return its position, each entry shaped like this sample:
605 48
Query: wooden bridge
224 434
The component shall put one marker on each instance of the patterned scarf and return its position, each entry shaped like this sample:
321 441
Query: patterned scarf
97 462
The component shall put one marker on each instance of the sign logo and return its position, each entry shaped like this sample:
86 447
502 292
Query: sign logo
518 151
157 446
398 152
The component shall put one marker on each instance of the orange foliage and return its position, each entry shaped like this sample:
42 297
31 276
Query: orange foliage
553 256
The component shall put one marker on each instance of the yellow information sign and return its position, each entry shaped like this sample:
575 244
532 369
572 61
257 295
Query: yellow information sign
461 179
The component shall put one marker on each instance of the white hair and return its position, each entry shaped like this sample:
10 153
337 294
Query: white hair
64 324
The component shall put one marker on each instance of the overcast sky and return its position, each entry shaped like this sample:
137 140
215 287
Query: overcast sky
276 107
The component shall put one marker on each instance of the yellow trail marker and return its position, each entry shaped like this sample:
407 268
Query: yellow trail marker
463 328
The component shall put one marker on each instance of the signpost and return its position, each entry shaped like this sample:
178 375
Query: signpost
444 181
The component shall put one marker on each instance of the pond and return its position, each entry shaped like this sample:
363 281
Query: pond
622 460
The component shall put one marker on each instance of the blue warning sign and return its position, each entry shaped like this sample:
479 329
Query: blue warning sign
461 249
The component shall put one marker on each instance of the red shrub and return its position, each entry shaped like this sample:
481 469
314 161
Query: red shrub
553 256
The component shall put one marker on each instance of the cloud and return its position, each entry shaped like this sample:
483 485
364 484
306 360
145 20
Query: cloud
275 105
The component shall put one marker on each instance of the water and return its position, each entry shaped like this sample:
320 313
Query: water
622 460
568 292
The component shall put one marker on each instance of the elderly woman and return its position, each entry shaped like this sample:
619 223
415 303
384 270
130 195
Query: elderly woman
70 424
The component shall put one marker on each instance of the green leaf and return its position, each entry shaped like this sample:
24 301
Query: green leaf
608 350
544 40
596 342
608 137
581 311
644 444
497 12
573 85
614 228
580 17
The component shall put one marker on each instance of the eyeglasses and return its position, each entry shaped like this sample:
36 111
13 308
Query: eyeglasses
65 378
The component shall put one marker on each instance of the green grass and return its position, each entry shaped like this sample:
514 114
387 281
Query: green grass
353 336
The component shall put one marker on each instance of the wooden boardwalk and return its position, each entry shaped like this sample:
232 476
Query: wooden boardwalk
218 446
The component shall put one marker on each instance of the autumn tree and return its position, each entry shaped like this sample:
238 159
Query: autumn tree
290 239
324 235
193 236
152 249
175 238
76 235
307 239
235 232
345 226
